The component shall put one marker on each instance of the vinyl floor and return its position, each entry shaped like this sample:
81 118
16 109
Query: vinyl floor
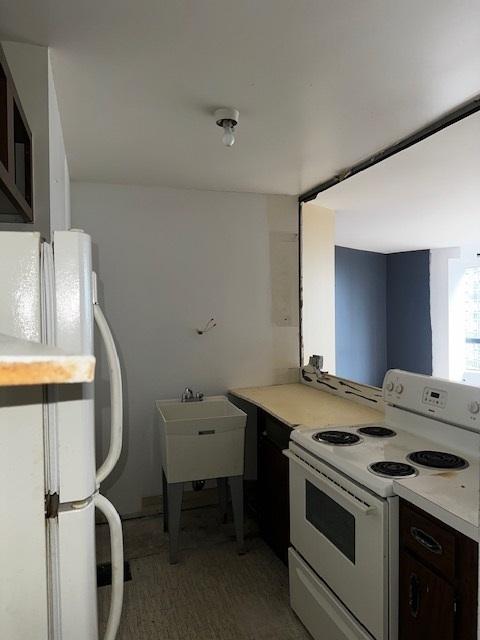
212 594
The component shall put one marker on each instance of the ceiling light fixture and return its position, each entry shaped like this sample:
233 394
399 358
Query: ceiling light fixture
227 118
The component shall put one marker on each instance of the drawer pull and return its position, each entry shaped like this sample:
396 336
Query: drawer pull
426 540
207 432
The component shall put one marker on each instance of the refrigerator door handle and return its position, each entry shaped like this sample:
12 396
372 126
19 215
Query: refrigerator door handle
116 399
116 544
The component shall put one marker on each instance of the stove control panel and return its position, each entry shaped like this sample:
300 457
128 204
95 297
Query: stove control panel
435 397
451 402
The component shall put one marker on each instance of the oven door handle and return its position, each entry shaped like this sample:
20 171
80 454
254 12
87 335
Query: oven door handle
356 503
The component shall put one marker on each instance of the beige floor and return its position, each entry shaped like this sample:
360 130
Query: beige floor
212 594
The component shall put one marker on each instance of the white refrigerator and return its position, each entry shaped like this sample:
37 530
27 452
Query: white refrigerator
50 485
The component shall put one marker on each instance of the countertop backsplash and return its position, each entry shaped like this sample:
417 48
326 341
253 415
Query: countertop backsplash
361 393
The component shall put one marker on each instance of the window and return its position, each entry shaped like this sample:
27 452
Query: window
472 318
455 313
467 305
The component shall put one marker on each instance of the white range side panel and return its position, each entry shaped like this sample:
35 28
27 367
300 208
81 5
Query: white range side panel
74 334
78 577
23 587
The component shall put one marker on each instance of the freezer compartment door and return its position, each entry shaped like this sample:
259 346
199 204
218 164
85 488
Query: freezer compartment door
23 556
78 573
20 296
74 334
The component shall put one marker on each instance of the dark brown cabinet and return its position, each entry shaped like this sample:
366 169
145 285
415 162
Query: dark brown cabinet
427 602
273 505
437 579
16 186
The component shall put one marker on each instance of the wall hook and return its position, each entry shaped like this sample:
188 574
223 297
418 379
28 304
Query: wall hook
208 327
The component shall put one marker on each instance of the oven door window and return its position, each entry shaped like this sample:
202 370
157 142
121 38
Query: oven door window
332 520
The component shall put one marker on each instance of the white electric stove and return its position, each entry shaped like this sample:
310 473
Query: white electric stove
344 486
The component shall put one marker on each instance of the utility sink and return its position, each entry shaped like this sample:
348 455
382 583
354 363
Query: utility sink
201 440
214 410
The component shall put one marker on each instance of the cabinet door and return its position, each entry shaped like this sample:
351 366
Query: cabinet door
273 496
16 196
427 603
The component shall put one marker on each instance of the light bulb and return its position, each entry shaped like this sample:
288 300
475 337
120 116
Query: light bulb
228 137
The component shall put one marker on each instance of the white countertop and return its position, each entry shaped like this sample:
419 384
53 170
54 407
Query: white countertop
451 497
295 404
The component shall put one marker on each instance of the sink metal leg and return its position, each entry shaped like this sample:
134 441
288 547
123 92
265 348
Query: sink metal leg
165 501
175 495
222 485
236 489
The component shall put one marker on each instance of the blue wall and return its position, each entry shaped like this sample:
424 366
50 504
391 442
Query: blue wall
360 315
382 306
409 329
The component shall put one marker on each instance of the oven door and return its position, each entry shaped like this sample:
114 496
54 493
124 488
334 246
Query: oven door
341 531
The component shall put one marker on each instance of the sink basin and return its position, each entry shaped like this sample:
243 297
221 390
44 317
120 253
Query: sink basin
177 414
201 440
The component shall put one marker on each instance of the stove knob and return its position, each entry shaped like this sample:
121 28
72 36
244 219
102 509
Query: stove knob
474 407
389 386
399 388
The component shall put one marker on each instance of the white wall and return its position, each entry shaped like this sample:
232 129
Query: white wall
318 284
168 260
59 174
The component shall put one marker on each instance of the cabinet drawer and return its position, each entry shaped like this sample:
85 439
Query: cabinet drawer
428 540
317 607
276 431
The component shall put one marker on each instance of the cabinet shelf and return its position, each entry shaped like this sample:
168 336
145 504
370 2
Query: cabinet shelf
27 363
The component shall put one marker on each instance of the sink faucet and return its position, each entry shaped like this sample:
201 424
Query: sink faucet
188 396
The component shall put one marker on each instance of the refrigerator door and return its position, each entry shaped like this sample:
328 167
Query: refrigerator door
78 578
74 334
75 542
50 438
116 549
20 285
74 418
23 585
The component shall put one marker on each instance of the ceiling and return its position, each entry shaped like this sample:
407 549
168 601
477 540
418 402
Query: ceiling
320 84
424 197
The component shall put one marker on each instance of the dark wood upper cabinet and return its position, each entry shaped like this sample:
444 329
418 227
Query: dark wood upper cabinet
16 185
3 119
